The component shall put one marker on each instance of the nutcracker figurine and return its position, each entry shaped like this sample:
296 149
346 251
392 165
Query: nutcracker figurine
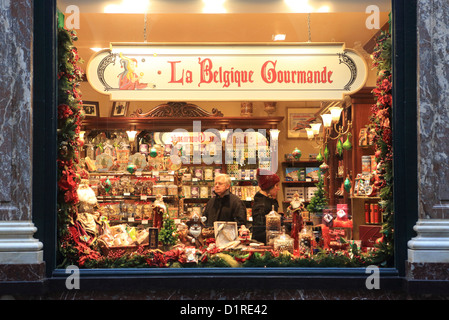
159 209
295 210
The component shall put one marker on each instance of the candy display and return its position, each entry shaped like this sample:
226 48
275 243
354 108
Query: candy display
130 185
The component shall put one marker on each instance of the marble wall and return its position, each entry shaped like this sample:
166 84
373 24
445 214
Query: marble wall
15 109
20 254
433 108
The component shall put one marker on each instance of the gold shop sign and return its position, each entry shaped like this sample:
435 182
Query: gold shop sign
234 72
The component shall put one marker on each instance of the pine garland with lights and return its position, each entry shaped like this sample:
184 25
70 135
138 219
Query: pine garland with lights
72 249
380 122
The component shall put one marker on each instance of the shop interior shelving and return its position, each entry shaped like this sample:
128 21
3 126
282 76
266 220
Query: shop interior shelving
166 118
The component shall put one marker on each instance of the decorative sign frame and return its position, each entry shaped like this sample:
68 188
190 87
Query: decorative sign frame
229 72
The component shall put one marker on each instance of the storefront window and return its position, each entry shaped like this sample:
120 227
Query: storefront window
233 135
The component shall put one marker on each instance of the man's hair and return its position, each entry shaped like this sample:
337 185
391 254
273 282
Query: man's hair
226 178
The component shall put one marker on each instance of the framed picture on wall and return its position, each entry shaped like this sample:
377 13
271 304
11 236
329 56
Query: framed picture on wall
298 120
119 108
91 108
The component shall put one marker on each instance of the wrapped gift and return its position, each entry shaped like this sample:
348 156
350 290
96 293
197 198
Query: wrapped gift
342 224
336 235
342 220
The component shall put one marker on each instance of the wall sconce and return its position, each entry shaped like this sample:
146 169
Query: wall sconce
331 122
313 133
274 133
334 115
132 137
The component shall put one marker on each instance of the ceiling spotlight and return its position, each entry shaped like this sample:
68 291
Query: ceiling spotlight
214 6
96 49
279 37
128 6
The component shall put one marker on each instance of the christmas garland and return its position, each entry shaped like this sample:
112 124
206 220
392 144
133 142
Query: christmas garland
72 248
380 122
216 258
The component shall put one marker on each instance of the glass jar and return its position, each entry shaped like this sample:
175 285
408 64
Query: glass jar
273 226
246 109
273 220
283 242
305 240
271 235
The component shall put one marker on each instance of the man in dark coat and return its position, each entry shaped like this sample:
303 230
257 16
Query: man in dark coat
224 206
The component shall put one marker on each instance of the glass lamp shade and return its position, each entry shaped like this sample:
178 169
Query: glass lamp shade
336 113
327 120
224 135
310 133
274 133
316 127
131 135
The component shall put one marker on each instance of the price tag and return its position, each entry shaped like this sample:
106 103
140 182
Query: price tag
130 219
143 197
194 179
126 194
138 173
144 221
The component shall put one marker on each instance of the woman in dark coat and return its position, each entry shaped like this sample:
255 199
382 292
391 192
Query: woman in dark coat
264 200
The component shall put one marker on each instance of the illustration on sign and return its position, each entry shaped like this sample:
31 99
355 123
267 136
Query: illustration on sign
128 79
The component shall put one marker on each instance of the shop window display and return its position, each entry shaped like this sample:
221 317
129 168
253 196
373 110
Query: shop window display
123 201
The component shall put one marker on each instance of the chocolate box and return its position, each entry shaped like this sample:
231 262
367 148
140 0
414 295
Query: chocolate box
369 234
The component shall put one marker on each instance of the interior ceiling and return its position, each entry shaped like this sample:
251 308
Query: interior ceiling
99 29
224 6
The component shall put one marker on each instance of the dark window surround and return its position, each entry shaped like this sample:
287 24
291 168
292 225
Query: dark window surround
405 188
